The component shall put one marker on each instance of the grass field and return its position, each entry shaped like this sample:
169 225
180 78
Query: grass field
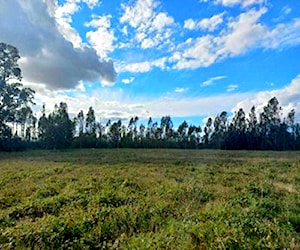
149 199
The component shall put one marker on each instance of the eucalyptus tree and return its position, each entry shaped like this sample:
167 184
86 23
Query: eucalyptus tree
132 128
270 123
149 133
220 129
90 122
142 133
252 120
194 134
166 126
208 131
182 130
56 130
235 136
115 133
80 122
13 96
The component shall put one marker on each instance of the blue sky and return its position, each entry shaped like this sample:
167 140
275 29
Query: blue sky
188 59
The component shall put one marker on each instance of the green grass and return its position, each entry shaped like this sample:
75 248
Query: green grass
149 199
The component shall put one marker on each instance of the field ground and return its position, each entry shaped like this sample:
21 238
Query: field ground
149 199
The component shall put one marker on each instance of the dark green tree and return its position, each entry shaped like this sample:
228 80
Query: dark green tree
220 128
207 131
182 129
13 96
56 131
235 137
166 126
80 122
90 122
115 133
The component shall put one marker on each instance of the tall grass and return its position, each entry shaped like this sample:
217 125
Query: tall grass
149 199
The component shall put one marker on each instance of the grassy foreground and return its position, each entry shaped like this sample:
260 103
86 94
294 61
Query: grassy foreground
149 199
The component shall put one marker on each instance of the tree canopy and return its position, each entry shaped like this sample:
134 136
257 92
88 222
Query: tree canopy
265 130
15 100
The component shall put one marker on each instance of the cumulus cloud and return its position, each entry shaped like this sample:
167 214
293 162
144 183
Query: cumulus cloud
150 27
288 97
128 80
142 67
209 24
116 104
103 37
190 24
63 16
92 3
241 34
194 106
47 55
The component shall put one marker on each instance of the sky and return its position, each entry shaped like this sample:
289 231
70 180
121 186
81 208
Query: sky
188 59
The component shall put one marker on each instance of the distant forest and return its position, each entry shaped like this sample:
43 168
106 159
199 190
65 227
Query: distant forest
20 129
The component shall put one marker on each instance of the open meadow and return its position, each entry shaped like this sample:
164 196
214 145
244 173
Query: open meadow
149 199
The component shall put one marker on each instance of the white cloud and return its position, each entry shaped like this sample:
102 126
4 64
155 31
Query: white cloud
240 35
162 20
232 87
142 67
150 28
243 3
286 10
103 37
92 3
190 24
116 104
139 14
63 16
196 106
128 80
107 103
283 35
81 87
288 97
209 24
211 80
48 57
212 23
181 90
244 33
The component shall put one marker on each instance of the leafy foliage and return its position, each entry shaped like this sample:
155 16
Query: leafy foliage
14 99
267 130
56 130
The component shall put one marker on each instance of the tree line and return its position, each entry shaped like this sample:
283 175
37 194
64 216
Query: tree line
20 129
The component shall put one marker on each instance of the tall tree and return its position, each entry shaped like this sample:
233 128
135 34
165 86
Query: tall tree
270 123
90 122
80 122
182 129
149 129
115 133
220 128
208 131
13 96
166 126
57 130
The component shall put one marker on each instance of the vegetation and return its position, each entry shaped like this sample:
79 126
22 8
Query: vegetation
144 199
19 129
14 99
149 199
